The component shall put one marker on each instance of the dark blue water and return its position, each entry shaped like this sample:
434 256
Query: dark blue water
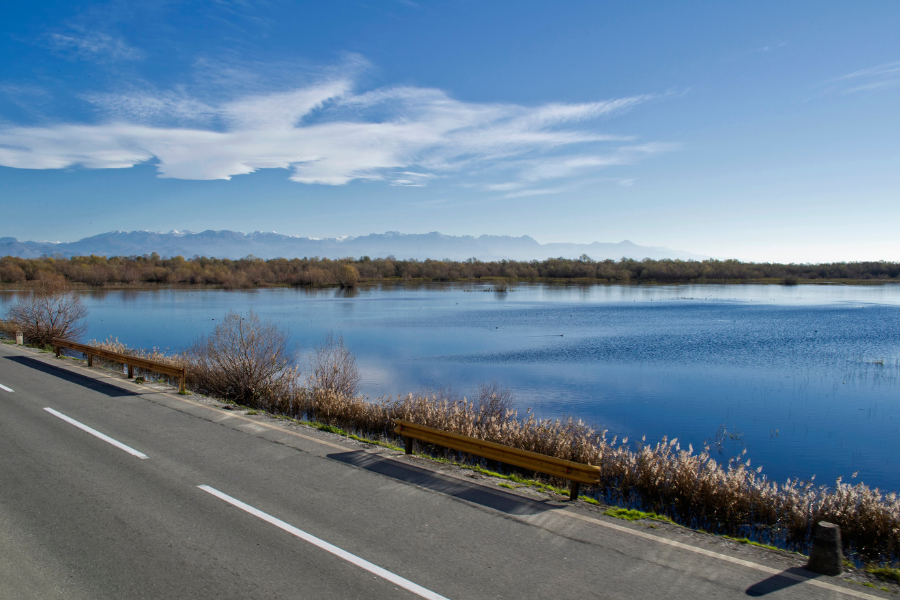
805 378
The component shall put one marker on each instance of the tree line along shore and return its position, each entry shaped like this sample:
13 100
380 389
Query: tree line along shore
349 272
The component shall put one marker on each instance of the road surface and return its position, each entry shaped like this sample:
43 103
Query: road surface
109 489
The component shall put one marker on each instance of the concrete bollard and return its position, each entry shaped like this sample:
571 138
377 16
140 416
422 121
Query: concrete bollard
20 338
826 556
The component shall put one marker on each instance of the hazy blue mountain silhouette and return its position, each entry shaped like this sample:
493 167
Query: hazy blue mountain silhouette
233 244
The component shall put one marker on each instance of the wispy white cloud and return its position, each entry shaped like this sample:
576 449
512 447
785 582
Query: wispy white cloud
886 75
325 133
575 166
526 193
144 107
92 46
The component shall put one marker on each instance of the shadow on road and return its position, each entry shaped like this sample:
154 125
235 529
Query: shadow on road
782 580
497 500
76 378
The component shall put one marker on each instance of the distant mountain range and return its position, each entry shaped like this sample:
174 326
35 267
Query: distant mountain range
233 244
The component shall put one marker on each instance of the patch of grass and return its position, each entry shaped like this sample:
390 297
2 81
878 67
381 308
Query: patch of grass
506 485
252 412
631 514
589 500
885 573
340 432
750 542
139 380
544 487
870 585
375 442
326 428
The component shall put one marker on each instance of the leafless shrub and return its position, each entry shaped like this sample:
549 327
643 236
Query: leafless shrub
244 359
333 367
52 310
493 400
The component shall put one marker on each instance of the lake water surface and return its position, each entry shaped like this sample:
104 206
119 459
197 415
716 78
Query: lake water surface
806 378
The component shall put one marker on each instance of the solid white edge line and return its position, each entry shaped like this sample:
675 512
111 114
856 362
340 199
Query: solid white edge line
724 557
3 387
351 558
96 433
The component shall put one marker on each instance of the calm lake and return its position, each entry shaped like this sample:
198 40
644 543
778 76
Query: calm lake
806 378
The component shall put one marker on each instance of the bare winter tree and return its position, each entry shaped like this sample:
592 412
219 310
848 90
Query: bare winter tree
333 367
243 359
52 310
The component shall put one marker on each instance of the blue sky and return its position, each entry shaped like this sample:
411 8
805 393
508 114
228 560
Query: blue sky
753 130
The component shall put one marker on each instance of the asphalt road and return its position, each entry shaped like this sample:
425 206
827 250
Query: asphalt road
196 502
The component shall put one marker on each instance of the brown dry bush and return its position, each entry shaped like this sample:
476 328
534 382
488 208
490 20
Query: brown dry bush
243 359
493 399
8 329
333 367
51 310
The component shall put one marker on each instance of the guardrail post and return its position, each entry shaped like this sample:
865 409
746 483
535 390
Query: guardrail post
181 387
130 371
90 358
573 490
57 352
409 444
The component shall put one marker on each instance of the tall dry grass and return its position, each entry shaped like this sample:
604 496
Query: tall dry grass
688 485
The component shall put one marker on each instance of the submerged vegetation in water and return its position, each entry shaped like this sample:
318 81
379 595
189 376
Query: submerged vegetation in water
349 272
683 484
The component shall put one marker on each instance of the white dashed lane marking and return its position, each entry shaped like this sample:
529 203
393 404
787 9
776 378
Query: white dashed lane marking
97 434
351 558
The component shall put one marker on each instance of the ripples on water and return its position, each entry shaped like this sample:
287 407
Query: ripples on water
806 378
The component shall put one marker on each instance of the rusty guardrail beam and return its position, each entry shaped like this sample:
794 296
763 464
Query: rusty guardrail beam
129 361
575 472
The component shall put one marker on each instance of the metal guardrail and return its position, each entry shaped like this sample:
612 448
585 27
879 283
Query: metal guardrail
130 361
575 472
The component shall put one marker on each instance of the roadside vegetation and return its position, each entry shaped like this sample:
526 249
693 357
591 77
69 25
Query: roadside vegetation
254 272
51 310
246 360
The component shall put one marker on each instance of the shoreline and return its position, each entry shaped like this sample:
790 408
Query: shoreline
400 283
